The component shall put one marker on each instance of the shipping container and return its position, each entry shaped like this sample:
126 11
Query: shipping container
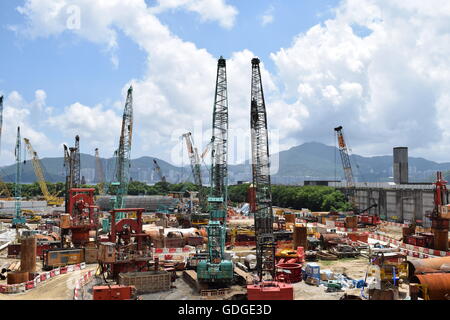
62 257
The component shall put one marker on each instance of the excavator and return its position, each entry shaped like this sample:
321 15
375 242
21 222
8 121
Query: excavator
366 219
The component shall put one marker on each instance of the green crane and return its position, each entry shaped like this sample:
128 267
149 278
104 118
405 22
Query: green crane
18 219
217 268
122 172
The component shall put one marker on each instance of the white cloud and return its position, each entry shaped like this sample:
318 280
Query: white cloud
18 112
95 126
177 87
209 10
267 17
388 84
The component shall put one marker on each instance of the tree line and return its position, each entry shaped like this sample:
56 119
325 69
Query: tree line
315 198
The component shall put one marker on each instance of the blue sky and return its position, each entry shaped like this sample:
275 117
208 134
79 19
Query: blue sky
89 77
376 67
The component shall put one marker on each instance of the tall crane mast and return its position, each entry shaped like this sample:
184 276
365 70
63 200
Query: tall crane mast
217 268
18 219
346 164
122 173
196 171
67 173
265 241
157 168
77 164
51 199
99 173
72 168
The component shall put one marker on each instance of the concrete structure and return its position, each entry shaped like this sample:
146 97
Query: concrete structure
396 203
149 203
400 166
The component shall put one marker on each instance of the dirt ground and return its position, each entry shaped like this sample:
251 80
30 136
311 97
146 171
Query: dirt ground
58 288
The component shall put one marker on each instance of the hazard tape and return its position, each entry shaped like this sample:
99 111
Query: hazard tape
78 290
28 285
171 250
239 218
401 245
395 224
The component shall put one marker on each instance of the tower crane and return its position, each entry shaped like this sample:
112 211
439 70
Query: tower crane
196 172
51 199
18 219
346 164
122 172
158 171
217 268
265 240
99 173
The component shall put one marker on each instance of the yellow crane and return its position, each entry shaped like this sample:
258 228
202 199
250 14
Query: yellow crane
51 199
4 191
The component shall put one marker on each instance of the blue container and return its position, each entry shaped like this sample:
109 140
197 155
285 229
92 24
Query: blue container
312 270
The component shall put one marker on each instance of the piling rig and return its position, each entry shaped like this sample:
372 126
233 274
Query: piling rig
122 171
265 241
217 269
82 217
18 219
128 248
72 166
346 164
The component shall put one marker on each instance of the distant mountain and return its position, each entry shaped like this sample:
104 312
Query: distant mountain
309 161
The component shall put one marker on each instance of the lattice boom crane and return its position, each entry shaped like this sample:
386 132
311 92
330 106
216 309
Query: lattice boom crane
51 199
217 268
157 168
196 170
18 219
265 241
346 164
122 174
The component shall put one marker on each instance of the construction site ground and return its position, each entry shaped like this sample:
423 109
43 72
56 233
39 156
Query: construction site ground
60 287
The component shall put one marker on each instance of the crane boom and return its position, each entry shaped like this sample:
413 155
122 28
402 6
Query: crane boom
77 164
196 170
99 173
346 164
217 268
158 171
123 153
18 219
37 167
265 241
